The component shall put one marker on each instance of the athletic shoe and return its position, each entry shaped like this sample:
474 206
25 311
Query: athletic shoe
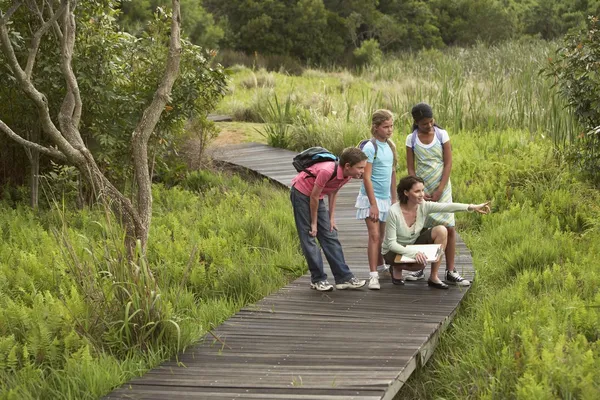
322 286
454 278
415 276
351 283
437 285
374 283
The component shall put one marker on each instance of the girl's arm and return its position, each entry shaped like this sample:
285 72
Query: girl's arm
393 186
374 210
332 197
410 161
447 156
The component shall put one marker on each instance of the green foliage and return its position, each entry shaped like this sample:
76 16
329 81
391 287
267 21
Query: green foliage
577 75
466 22
198 25
529 327
482 89
117 75
78 319
368 53
279 118
323 32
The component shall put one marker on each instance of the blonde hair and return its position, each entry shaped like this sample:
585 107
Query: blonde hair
378 118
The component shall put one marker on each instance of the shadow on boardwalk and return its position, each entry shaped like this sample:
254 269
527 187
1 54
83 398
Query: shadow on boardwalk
303 344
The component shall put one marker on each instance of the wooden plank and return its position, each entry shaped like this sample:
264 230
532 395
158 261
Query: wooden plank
301 344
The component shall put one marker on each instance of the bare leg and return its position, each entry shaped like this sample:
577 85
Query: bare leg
450 248
439 234
374 243
396 269
380 260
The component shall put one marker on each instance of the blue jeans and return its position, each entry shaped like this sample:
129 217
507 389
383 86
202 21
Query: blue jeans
328 240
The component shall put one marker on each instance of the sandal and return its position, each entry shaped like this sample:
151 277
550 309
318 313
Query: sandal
394 280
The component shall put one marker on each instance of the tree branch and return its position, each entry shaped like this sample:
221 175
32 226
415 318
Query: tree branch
37 97
37 37
49 151
6 17
70 111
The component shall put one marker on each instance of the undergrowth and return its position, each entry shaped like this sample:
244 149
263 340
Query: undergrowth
530 326
78 318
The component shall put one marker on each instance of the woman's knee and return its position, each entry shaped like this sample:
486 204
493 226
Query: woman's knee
439 234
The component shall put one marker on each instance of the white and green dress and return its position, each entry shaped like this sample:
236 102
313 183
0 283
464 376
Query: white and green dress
429 165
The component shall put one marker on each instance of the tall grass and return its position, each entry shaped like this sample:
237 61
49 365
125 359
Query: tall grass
479 89
529 327
77 318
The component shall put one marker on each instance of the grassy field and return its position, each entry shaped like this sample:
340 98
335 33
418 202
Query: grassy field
480 89
529 327
76 321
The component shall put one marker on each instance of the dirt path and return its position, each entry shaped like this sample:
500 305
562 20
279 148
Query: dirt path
237 132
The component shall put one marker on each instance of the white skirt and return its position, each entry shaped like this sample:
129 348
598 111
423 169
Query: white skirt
363 207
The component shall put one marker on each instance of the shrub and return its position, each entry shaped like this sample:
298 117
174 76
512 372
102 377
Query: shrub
368 53
576 72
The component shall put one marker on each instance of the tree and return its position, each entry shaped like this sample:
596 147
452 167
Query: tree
65 141
464 22
198 25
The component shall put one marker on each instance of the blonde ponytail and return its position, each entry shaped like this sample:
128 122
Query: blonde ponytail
378 118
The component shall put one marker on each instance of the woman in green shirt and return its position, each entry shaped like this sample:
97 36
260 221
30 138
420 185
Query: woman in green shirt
405 226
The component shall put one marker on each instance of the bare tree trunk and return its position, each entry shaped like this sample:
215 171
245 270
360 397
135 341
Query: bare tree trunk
67 143
148 122
34 169
34 179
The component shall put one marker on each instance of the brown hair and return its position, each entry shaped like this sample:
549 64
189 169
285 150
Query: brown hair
378 118
352 156
406 183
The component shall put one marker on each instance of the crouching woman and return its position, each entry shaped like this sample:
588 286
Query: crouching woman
405 226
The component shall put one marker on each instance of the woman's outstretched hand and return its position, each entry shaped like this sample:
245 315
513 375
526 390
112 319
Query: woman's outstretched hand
483 208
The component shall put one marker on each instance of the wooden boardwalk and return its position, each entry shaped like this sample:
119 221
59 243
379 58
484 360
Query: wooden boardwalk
302 344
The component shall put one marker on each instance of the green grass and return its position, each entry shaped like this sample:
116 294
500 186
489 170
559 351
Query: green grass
480 89
76 321
529 327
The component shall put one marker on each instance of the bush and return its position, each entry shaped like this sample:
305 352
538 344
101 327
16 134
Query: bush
368 53
576 72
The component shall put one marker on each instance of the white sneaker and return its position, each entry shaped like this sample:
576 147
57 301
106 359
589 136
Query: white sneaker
322 286
374 283
352 283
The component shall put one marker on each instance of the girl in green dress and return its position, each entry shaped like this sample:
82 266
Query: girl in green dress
429 156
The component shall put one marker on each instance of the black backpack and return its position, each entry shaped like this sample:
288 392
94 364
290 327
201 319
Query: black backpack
312 156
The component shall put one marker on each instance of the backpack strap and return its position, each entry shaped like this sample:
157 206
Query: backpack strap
311 175
374 143
438 134
335 168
